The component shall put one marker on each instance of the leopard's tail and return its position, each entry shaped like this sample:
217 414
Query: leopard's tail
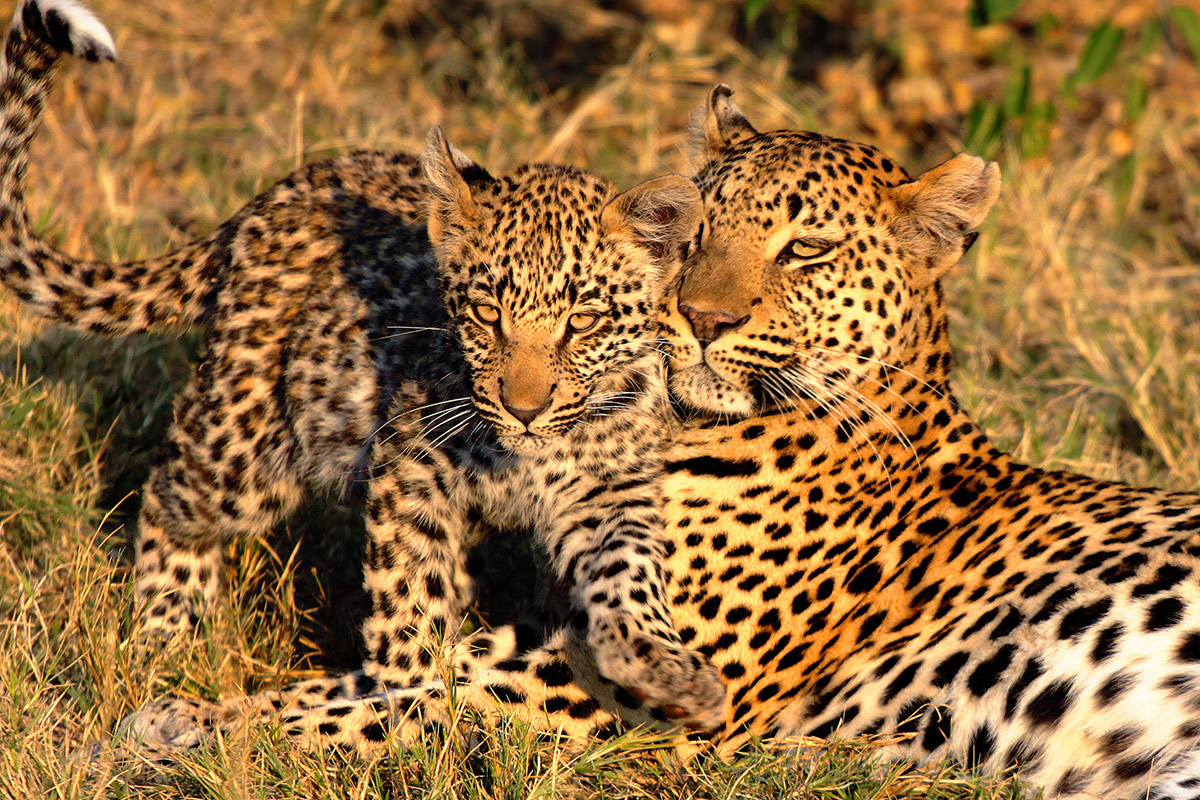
171 291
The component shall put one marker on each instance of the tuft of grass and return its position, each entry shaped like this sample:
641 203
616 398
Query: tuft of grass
1075 321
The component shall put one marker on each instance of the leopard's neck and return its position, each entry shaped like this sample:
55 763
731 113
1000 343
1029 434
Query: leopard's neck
897 443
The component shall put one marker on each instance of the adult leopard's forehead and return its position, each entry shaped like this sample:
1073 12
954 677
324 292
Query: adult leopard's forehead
543 240
755 180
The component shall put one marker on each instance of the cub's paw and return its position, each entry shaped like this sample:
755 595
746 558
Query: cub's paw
169 725
683 684
147 745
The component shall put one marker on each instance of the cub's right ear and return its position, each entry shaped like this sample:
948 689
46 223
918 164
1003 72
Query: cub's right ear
664 214
453 179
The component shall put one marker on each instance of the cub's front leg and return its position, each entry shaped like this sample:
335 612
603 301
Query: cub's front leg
416 563
610 550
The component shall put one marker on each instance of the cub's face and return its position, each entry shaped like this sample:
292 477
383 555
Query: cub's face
546 304
816 267
554 284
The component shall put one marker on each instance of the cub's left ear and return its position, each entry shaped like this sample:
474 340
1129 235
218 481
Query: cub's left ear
664 214
453 180
937 211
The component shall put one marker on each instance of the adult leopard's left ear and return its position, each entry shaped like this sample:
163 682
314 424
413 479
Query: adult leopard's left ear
666 214
936 213
453 180
719 125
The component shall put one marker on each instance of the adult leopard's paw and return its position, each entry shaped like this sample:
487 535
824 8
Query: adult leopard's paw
681 683
146 745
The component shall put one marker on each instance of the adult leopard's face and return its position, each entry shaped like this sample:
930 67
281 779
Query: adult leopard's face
554 284
818 255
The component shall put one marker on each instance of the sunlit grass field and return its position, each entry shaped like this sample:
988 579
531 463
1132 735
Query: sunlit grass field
1076 318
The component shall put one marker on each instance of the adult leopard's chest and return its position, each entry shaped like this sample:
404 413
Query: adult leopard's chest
792 554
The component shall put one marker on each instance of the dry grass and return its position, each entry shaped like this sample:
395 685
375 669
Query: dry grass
1076 320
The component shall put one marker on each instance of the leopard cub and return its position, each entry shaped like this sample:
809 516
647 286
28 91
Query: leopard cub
554 288
533 396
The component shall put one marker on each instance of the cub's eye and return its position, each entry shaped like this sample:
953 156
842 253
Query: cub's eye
485 313
582 323
804 249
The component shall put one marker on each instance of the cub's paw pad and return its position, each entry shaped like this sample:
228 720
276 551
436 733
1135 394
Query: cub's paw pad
681 683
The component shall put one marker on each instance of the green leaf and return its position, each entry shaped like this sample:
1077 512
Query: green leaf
983 125
1187 23
752 9
1152 31
1044 25
1016 92
1035 132
1136 96
989 12
1098 53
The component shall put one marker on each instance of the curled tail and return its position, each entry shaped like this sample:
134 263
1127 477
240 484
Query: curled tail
171 291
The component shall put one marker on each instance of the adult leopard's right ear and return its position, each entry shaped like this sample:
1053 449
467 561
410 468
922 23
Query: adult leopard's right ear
453 179
723 126
937 213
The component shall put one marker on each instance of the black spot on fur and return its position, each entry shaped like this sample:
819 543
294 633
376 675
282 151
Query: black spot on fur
981 747
944 673
1078 620
988 672
1189 648
1165 613
1112 688
937 731
1049 705
554 673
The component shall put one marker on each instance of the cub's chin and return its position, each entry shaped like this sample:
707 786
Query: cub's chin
701 390
526 444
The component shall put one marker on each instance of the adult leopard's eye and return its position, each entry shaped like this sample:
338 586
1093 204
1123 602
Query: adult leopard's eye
804 249
486 313
582 323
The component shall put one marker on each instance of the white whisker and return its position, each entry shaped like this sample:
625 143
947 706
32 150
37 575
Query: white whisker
406 412
874 410
894 367
812 382
404 331
856 427
435 420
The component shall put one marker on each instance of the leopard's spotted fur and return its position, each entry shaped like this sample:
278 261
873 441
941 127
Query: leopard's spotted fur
306 382
853 553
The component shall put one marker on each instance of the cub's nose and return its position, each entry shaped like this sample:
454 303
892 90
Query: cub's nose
527 415
525 406
710 325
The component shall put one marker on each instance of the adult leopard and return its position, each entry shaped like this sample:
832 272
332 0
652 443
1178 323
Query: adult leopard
538 375
846 544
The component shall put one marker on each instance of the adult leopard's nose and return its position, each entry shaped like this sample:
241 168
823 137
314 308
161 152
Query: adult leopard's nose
711 325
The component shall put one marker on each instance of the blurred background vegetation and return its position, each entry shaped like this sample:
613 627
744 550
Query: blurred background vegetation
1076 320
